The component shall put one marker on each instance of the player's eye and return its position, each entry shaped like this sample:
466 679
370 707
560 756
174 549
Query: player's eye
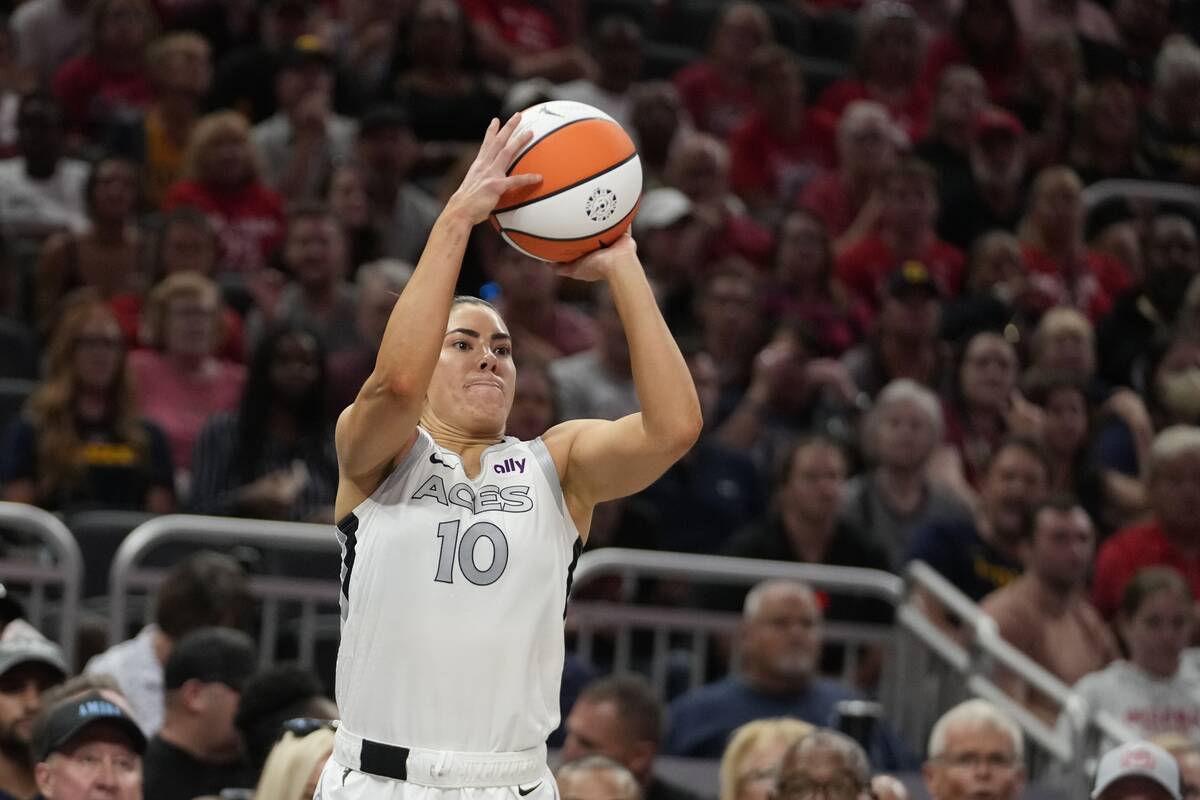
504 350
462 345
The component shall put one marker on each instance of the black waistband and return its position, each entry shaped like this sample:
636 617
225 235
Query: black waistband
383 760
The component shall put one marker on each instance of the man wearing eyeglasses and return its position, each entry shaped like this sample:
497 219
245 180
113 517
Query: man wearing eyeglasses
824 764
87 746
976 752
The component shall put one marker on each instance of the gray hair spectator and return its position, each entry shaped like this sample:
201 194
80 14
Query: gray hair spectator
975 751
1137 771
825 762
1064 345
596 777
1169 146
1173 482
896 497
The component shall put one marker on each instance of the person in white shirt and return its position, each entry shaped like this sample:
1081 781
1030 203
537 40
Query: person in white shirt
41 191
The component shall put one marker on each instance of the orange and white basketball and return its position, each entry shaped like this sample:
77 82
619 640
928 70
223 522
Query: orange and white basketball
590 189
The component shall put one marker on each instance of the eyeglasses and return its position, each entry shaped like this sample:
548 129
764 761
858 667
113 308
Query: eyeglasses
968 760
836 789
303 726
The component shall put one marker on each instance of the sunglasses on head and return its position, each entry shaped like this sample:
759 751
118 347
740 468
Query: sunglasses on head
303 726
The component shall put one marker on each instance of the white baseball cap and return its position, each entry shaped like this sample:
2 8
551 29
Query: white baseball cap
661 208
1137 759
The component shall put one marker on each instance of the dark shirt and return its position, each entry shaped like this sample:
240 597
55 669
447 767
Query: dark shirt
952 166
702 720
955 549
965 216
115 474
1164 154
169 773
661 790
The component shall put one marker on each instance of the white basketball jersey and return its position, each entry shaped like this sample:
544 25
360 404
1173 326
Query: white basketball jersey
453 597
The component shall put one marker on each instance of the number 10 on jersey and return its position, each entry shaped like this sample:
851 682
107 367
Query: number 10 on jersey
465 549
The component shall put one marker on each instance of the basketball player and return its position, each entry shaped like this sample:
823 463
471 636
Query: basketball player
458 543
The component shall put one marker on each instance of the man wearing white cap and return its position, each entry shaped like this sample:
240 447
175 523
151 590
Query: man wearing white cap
1137 771
671 245
28 667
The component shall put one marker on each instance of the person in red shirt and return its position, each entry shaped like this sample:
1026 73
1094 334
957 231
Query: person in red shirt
716 91
781 145
1063 270
888 60
986 37
528 38
849 199
910 208
1171 537
110 75
222 180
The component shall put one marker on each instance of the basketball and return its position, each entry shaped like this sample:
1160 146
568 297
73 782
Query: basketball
590 189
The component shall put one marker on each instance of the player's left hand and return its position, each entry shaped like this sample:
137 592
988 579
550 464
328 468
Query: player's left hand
599 265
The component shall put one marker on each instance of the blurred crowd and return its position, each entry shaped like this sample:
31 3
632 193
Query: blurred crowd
928 315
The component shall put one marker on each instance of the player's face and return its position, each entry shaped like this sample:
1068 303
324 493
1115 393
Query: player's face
475 379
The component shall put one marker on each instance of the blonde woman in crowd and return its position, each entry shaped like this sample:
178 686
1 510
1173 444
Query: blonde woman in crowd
295 764
751 760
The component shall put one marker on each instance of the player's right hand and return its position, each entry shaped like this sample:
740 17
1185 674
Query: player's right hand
486 180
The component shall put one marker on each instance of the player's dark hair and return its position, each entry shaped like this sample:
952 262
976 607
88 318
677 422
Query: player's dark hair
1150 581
205 590
270 698
636 703
466 299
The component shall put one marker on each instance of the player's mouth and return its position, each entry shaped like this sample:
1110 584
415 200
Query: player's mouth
493 384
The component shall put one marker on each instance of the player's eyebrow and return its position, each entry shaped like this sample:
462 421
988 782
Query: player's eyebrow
475 334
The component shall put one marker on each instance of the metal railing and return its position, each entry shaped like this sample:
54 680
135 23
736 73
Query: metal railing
52 561
129 576
953 667
684 636
1158 191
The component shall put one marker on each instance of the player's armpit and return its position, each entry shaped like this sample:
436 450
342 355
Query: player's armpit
601 460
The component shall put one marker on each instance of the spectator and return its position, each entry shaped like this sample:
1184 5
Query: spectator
780 146
621 718
596 777
206 589
906 233
711 492
1170 378
79 442
1064 345
186 243
1105 133
1048 92
1063 271
983 555
1143 28
546 327
1156 691
221 177
108 257
985 407
534 410
49 33
15 81
1121 239
597 383
1083 18
730 326
378 285
41 190
273 458
303 139
74 736
716 91
656 118
1187 755
28 668
827 762
986 37
781 640
1147 310
1169 140
181 382
897 497
524 38
961 95
346 196
699 167
751 761
271 699
1168 537
314 254
364 36
198 750
435 68
109 77
1045 612
975 750
670 241
179 65
1137 770
994 197
849 199
402 213
904 342
294 767
994 296
616 48
888 61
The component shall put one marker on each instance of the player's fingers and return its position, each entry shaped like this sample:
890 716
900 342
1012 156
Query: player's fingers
521 181
506 130
514 145
488 146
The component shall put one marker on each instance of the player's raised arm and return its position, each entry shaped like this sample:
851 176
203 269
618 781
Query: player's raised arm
379 426
601 460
